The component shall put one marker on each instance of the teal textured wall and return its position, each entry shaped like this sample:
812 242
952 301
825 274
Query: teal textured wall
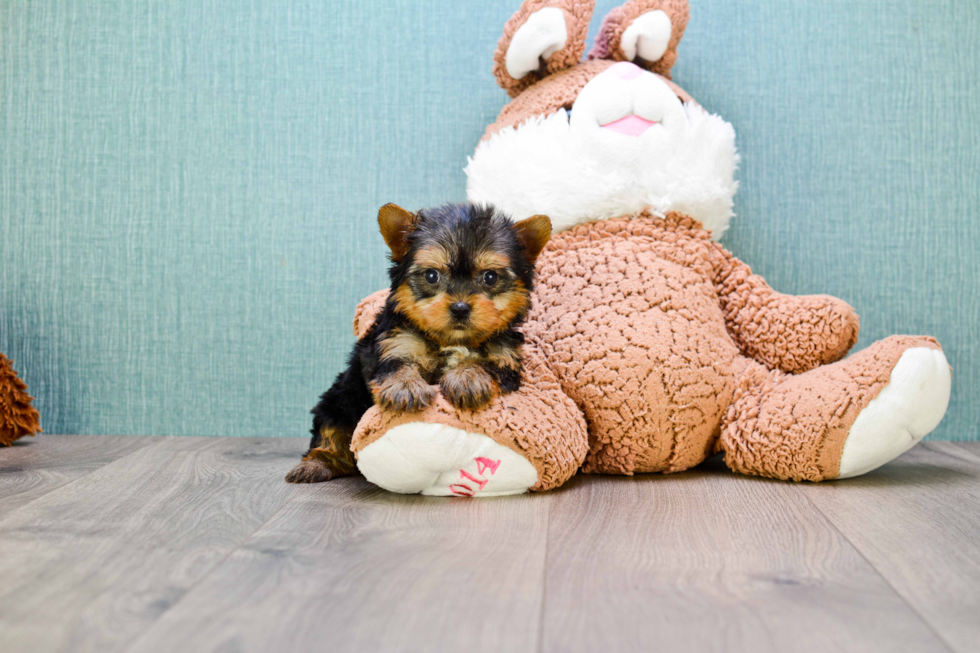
188 189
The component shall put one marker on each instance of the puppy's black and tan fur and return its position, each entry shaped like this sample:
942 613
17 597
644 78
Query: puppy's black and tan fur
461 278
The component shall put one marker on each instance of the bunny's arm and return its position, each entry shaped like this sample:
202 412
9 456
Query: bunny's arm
786 332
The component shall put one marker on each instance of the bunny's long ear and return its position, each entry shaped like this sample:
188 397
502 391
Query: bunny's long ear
645 32
542 38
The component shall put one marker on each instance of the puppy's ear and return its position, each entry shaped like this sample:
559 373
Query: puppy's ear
396 224
533 234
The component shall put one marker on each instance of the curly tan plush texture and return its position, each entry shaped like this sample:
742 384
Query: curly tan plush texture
794 427
644 324
673 350
17 417
650 347
558 92
607 42
577 14
556 445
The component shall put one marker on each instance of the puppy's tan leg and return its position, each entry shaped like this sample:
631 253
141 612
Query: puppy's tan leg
332 459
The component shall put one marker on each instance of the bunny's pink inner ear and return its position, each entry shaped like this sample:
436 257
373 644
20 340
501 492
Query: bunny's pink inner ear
646 32
542 38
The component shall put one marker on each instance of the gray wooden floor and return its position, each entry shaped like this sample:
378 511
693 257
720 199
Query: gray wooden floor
197 544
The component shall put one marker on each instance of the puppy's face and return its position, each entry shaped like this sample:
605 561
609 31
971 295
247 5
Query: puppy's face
461 295
463 273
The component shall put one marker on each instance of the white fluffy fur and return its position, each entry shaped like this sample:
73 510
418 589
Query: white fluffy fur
543 166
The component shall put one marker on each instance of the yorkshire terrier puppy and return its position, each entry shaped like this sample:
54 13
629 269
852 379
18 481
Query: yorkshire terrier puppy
461 278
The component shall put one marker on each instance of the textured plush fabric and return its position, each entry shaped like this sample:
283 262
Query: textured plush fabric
794 427
644 321
577 13
544 162
659 335
607 41
17 416
786 332
555 92
538 421
189 190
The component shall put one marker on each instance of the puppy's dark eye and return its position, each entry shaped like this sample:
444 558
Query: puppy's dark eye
432 277
489 277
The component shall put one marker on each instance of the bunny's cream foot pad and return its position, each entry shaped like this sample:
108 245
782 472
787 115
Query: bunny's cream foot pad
906 410
440 460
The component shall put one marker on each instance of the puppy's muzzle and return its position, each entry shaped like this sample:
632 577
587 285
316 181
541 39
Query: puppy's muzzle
460 310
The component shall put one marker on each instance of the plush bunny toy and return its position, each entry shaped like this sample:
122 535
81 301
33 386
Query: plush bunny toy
650 347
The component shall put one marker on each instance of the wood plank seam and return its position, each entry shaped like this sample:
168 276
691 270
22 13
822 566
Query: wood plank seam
539 644
217 565
375 570
177 465
971 448
928 624
672 549
151 442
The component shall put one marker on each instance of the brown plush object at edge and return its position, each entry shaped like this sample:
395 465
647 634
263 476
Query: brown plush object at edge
17 417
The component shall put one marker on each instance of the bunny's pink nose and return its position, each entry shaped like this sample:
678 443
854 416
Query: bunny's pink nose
625 70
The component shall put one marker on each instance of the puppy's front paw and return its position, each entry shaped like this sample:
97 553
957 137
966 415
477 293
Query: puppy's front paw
404 391
468 387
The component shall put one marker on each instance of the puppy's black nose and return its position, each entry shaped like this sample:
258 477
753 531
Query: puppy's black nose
460 310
